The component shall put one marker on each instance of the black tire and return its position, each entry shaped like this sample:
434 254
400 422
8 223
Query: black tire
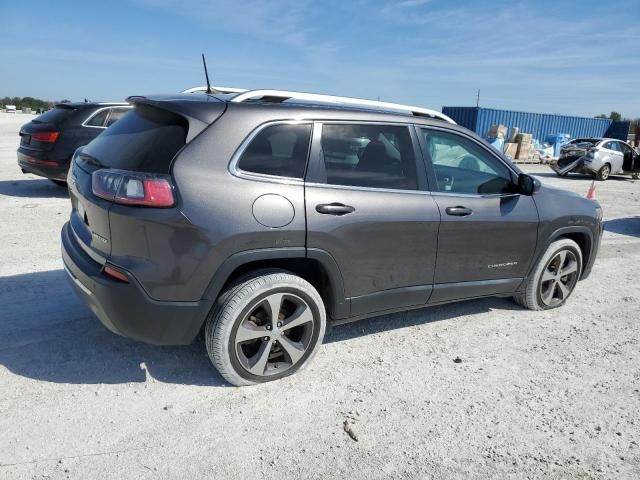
60 183
536 290
245 307
604 172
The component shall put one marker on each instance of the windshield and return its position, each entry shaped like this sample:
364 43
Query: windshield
56 115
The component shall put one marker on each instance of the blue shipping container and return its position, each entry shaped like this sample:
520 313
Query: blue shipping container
480 120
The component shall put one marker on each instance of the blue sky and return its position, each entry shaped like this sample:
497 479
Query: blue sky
542 56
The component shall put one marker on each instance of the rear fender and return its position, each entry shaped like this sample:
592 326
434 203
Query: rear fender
338 305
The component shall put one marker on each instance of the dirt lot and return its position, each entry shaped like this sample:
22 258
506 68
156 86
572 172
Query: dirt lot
536 394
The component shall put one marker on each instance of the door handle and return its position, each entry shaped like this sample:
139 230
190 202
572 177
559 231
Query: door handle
458 211
334 209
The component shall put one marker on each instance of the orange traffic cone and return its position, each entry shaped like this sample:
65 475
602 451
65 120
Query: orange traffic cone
591 193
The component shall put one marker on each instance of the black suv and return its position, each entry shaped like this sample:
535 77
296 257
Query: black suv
49 140
261 216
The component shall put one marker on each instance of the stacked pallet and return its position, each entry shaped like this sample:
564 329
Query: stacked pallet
517 146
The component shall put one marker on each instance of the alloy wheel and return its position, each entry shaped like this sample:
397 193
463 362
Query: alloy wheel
275 334
559 278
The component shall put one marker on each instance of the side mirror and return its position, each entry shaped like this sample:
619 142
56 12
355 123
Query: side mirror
527 185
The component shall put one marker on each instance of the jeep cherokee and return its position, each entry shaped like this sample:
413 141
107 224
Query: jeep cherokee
260 216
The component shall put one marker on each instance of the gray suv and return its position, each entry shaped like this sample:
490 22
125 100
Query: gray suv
261 216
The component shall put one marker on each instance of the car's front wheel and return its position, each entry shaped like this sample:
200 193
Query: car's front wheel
267 326
554 277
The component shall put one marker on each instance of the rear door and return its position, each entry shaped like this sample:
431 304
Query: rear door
488 231
92 126
615 155
367 206
627 163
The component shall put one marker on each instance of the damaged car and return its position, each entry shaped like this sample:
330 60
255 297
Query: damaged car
601 157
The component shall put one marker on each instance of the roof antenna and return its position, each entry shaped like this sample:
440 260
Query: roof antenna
206 74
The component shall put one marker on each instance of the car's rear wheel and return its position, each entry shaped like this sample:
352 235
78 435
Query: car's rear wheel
604 172
554 278
265 327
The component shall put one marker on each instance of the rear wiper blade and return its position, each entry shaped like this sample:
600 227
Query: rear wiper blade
90 159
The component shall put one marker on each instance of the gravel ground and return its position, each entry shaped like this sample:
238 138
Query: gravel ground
480 389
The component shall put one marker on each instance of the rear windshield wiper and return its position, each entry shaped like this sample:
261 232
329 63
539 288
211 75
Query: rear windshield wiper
91 160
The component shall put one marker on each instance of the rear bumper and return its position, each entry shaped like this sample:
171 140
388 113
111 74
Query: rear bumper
579 165
125 308
43 167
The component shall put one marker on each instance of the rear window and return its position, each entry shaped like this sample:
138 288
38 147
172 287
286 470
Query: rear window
578 141
372 156
97 120
278 150
144 140
56 115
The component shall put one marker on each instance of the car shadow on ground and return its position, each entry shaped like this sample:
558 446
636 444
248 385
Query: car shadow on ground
582 176
49 335
624 226
32 188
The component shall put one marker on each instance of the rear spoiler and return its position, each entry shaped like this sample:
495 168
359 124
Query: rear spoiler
68 106
198 118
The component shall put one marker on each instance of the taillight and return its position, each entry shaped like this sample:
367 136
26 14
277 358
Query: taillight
131 188
47 137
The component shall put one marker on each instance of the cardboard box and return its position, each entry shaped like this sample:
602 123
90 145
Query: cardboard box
496 131
525 151
524 138
511 149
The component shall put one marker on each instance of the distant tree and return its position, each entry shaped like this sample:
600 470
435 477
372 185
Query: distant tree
65 101
615 116
27 102
602 115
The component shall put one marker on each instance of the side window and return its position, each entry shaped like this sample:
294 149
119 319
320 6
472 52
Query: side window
115 115
279 150
611 146
461 166
366 155
98 119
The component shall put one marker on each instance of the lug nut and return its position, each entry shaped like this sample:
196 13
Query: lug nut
279 324
266 339
268 327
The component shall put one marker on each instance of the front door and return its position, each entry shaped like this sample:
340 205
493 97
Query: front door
488 231
367 207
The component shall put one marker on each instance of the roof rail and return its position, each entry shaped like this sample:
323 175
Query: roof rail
218 89
283 95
